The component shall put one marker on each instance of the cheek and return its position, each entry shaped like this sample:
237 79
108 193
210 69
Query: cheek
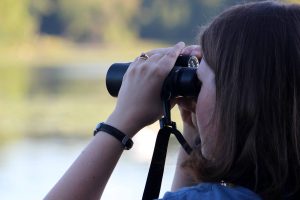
204 109
206 128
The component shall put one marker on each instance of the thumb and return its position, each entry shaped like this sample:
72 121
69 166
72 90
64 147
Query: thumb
188 104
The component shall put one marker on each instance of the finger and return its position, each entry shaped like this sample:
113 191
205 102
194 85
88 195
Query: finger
188 50
158 51
188 104
194 50
141 66
187 107
155 58
139 61
167 62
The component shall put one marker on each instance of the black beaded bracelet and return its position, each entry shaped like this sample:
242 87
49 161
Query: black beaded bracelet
119 135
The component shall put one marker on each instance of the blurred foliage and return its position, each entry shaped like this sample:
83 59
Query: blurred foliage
102 21
293 1
174 20
90 20
52 34
15 81
17 24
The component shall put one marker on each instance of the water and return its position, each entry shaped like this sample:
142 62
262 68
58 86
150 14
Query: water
48 114
29 168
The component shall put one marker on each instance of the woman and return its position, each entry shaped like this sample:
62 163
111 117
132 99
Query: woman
247 114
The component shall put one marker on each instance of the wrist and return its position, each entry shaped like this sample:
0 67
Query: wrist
116 133
123 123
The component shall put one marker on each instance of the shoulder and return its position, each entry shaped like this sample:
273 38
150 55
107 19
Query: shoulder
212 191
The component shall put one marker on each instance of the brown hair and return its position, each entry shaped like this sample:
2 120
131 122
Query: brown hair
254 50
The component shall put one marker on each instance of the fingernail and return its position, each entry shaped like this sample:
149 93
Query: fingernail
180 44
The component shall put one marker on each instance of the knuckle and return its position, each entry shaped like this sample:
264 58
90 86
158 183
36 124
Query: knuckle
132 71
172 54
138 70
143 69
160 72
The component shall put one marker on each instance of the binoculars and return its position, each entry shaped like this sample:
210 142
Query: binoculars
181 81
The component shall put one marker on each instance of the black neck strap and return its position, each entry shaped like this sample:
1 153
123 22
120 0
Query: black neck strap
155 174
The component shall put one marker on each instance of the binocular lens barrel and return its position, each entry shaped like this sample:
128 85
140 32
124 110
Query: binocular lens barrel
181 81
114 77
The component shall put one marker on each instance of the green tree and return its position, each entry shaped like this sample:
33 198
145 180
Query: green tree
17 24
91 20
174 20
293 1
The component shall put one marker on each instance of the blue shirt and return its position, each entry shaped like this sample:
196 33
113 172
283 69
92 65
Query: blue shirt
213 191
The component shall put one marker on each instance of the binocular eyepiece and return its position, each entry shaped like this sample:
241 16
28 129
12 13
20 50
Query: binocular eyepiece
181 81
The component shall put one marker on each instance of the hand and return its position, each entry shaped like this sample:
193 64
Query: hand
193 50
187 106
139 102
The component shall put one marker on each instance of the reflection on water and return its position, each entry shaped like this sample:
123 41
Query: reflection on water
47 101
54 110
29 168
66 79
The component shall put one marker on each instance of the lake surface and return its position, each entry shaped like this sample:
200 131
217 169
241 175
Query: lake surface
47 117
30 167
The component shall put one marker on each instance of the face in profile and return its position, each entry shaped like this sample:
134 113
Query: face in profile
205 107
